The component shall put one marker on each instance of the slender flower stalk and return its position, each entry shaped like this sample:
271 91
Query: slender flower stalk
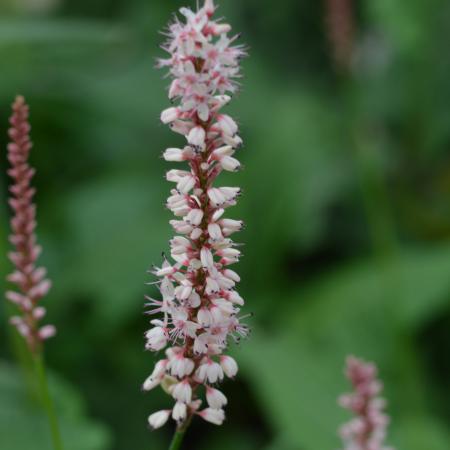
199 308
367 430
29 279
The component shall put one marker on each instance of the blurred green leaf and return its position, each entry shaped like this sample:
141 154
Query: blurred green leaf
23 424
356 311
115 238
65 32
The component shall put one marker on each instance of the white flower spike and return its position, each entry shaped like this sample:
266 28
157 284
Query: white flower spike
200 305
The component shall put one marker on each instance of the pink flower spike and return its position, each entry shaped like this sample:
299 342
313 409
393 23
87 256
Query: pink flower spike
200 306
28 278
367 430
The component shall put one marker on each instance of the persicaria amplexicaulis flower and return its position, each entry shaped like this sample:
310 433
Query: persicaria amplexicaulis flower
367 430
199 306
31 283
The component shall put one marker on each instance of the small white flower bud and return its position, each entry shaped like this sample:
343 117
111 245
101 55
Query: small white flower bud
229 366
174 155
182 392
215 398
158 419
214 416
196 137
179 412
169 115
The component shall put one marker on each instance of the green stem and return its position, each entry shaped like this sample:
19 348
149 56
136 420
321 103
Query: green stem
179 435
47 401
177 440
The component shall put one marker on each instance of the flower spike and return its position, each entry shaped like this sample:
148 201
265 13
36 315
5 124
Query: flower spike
367 430
32 284
200 306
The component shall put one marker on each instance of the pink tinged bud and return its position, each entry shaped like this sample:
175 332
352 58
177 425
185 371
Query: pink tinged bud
174 89
17 277
40 290
181 226
157 375
215 398
204 317
206 258
216 196
182 392
224 305
229 253
227 125
46 332
150 383
195 217
180 366
22 327
167 269
39 312
196 233
174 155
215 232
209 7
169 115
218 214
180 127
235 298
196 137
38 274
183 292
221 28
186 184
220 101
214 372
194 300
229 366
230 164
180 245
214 416
212 287
217 315
156 338
234 141
203 112
179 412
232 275
201 346
16 298
219 153
159 419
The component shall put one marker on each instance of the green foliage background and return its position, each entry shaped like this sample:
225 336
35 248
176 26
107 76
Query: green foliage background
347 245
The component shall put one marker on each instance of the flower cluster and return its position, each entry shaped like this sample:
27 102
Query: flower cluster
30 280
367 430
199 304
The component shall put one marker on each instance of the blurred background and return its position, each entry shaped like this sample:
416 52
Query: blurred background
345 113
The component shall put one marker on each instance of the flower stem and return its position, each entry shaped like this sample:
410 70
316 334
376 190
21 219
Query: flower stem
47 402
179 435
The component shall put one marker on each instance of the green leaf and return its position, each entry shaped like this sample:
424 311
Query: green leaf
368 310
115 238
23 423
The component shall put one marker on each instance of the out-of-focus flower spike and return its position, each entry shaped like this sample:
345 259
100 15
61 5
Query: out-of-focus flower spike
367 430
29 279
